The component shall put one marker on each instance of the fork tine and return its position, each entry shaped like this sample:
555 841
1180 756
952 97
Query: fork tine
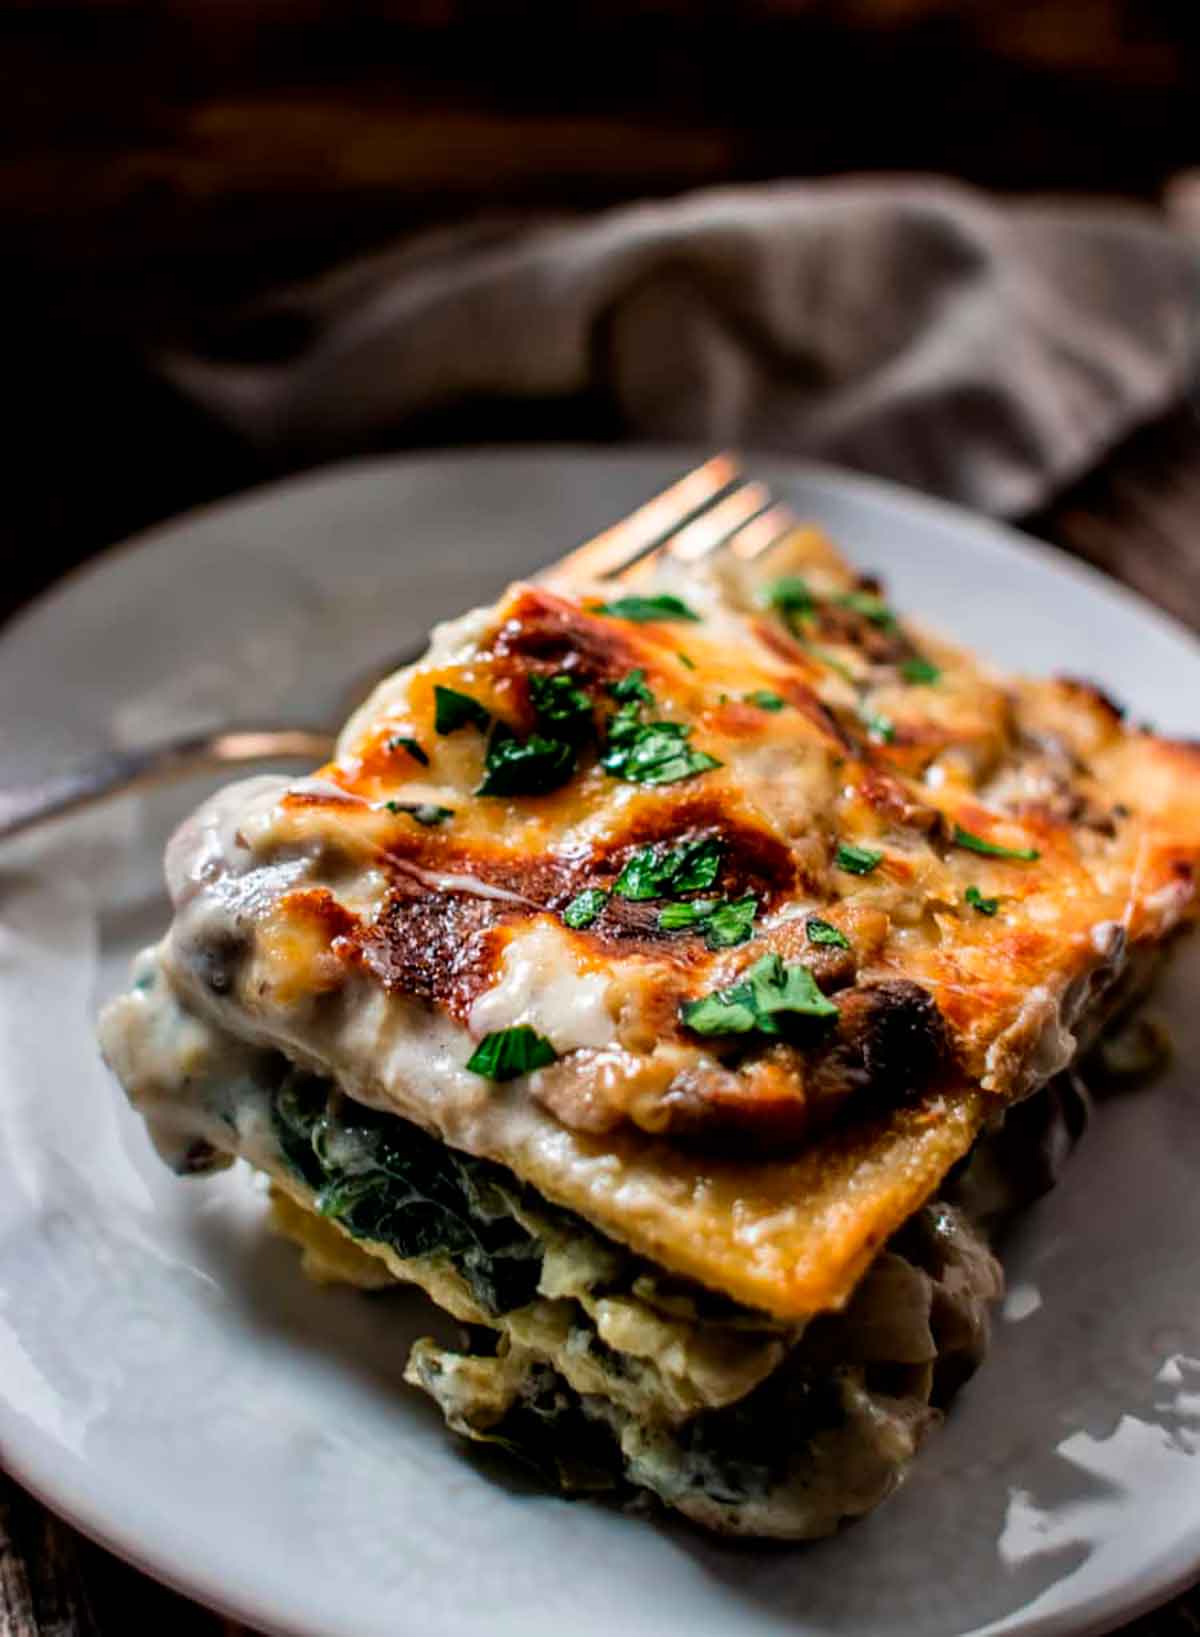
705 534
761 533
657 522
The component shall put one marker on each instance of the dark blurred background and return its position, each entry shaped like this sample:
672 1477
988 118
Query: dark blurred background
167 160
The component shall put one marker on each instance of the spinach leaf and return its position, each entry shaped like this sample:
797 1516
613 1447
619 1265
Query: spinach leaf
388 1181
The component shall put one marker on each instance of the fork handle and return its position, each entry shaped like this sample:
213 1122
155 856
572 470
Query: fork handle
113 771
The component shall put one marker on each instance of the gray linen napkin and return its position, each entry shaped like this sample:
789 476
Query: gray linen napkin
912 328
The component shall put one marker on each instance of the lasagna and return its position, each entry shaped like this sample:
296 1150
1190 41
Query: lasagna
647 978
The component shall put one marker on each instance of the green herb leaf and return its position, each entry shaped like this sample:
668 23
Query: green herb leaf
856 860
425 812
646 609
870 605
781 990
768 992
834 664
400 741
824 932
583 909
725 1011
651 752
674 917
524 767
879 728
731 923
688 664
764 699
454 710
724 922
920 670
665 872
991 849
562 708
508 1053
985 906
789 594
632 688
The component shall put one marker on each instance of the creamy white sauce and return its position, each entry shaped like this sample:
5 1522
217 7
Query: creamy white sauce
543 986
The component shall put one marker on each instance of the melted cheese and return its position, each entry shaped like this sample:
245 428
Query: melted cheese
376 951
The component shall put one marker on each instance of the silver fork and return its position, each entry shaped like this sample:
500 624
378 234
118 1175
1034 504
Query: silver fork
714 506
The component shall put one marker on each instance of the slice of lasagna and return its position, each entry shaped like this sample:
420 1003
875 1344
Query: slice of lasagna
646 978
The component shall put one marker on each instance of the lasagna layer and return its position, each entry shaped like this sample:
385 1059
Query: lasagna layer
725 915
599 1368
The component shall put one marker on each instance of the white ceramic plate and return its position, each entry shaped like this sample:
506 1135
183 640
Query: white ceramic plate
170 1383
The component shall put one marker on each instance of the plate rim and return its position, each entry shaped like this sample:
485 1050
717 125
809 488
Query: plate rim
1000 531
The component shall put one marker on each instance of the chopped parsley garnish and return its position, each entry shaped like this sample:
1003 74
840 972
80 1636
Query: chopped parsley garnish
401 741
991 849
425 812
674 917
688 663
646 609
789 594
651 752
731 923
454 710
920 670
632 687
824 932
658 872
511 1052
870 605
844 671
856 860
562 708
765 700
985 906
768 992
724 923
880 728
585 907
524 767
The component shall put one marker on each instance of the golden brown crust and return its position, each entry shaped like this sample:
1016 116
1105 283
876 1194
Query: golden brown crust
1026 837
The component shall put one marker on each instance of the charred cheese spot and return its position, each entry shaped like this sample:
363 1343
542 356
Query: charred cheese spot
557 634
440 947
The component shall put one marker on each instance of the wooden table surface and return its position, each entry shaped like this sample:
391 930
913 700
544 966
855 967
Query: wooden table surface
1138 518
